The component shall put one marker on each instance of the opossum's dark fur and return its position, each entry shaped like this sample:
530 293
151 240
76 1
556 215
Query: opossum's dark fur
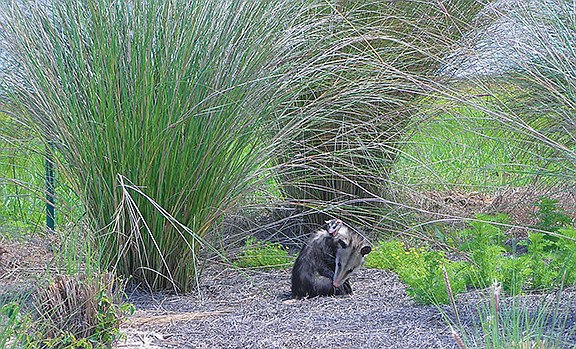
313 271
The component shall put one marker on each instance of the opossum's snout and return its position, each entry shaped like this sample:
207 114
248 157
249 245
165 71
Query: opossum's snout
340 276
349 257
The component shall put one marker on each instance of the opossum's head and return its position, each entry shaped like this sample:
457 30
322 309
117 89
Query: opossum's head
333 226
350 254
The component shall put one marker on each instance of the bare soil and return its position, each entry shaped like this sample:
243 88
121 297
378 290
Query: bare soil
254 311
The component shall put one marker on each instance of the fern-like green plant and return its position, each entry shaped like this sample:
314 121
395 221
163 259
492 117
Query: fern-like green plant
421 269
545 265
485 244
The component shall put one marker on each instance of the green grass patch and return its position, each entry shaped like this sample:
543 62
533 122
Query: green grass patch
23 183
21 180
465 148
264 254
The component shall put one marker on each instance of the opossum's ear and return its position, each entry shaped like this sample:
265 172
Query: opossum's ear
365 250
343 243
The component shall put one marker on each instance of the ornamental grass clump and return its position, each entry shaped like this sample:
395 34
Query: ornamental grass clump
370 66
533 97
77 311
155 111
518 323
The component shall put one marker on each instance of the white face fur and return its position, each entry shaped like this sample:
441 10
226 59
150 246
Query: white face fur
349 257
334 226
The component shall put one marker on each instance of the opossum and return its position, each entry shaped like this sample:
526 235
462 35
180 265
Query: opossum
333 226
327 260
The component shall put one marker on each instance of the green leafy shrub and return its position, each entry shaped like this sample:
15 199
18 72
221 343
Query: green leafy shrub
551 261
385 255
551 256
543 265
547 262
568 261
264 254
421 269
551 217
485 244
426 282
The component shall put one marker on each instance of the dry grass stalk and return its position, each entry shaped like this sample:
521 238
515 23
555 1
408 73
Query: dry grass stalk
450 294
72 303
496 288
458 339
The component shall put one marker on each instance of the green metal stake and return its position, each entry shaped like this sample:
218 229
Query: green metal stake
50 191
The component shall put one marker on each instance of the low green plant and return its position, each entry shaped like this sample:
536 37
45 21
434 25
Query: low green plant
546 263
551 256
385 255
551 261
10 324
552 219
421 269
263 254
514 323
484 242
